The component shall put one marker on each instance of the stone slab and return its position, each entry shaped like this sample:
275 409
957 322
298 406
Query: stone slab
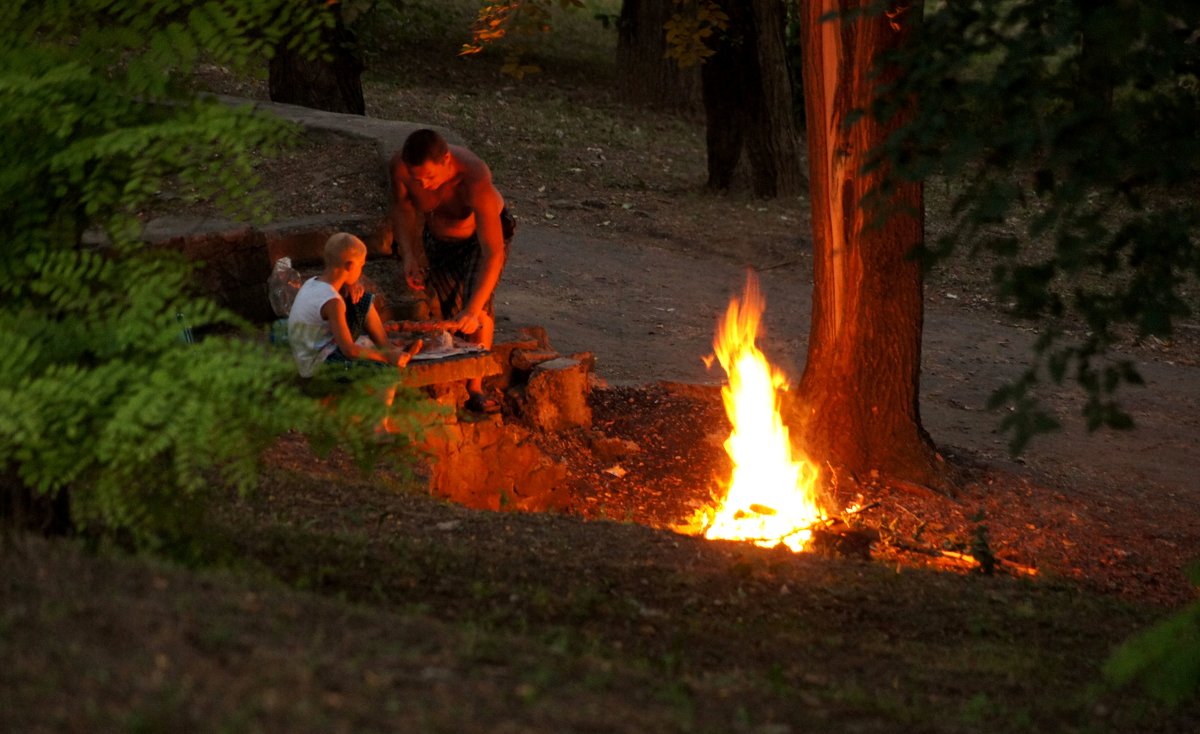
449 369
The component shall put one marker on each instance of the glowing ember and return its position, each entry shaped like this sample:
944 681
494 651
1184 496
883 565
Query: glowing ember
771 497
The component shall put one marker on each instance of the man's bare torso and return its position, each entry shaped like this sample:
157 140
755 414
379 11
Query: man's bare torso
449 209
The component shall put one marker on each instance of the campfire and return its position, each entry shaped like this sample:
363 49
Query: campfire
771 496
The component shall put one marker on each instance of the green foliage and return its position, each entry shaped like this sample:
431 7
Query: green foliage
1165 658
1068 132
518 24
102 397
691 28
1069 128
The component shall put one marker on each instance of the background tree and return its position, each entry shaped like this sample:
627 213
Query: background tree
328 77
857 406
104 402
747 89
745 81
1067 132
642 58
748 100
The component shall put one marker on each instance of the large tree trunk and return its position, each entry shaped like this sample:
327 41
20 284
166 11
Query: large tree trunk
748 99
771 141
333 84
648 76
857 404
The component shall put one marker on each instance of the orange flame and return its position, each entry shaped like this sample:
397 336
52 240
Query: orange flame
771 497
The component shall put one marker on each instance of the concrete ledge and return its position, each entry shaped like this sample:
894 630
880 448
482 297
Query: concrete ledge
235 258
303 239
450 369
389 135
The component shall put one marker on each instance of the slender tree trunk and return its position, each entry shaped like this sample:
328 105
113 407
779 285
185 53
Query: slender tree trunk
725 119
748 101
649 77
857 404
771 141
1097 65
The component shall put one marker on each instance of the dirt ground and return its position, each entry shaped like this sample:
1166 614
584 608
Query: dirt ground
1114 509
359 604
621 252
642 287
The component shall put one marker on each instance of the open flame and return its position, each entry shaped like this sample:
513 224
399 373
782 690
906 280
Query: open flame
771 497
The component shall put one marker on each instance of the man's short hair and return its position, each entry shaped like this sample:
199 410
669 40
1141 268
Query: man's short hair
423 146
341 246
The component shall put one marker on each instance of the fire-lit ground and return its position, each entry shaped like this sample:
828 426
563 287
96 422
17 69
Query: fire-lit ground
1103 542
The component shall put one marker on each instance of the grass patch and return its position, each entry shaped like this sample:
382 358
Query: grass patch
414 627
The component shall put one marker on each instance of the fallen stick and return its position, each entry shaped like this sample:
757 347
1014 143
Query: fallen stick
968 560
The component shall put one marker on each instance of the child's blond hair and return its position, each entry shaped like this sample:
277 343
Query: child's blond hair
342 246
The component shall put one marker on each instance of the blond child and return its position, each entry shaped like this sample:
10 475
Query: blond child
325 329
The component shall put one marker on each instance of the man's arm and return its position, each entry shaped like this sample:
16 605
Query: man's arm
486 203
407 224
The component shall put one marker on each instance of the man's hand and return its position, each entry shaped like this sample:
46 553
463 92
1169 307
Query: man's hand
355 290
467 322
414 274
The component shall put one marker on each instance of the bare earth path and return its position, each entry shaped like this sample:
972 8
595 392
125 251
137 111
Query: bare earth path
648 314
639 279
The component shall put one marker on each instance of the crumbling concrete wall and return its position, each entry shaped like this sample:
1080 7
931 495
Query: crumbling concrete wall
496 461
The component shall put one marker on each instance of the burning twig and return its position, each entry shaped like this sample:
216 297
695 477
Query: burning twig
859 509
823 523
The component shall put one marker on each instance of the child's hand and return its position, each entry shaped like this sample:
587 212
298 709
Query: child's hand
401 357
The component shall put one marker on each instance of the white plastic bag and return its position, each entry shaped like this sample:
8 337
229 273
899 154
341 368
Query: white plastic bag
282 286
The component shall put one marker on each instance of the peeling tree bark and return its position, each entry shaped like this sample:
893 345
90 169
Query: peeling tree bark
857 407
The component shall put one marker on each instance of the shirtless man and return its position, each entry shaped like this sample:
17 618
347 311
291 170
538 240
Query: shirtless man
445 206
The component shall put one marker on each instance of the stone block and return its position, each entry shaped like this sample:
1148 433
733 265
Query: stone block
526 359
503 351
537 334
234 260
230 267
587 358
492 465
556 397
